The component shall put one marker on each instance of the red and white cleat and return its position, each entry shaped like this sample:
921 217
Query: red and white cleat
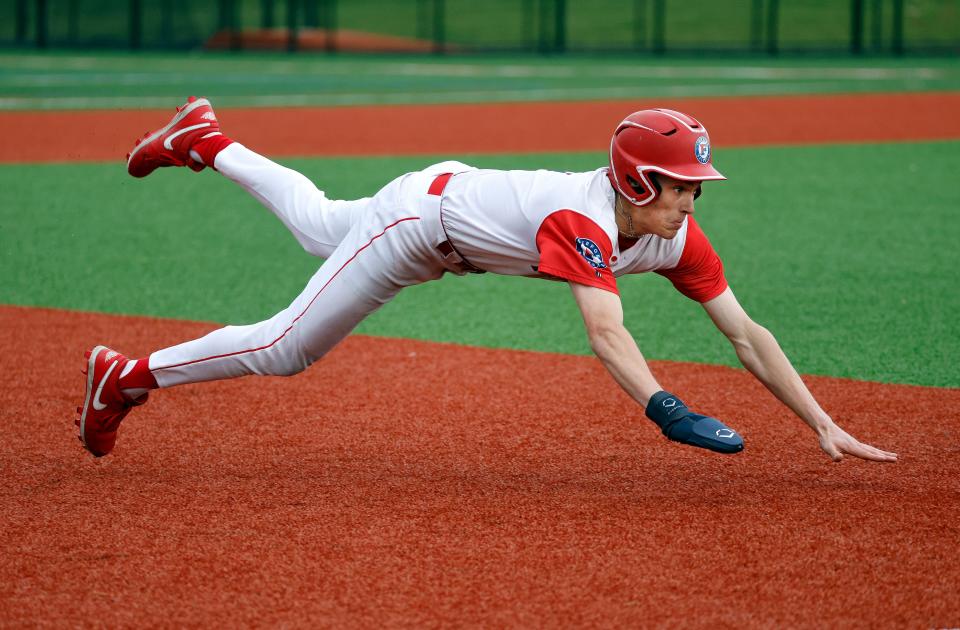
104 405
170 146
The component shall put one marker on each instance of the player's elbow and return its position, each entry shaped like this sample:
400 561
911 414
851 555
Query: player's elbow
743 334
750 340
604 337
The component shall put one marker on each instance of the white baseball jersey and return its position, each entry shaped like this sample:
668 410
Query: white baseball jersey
528 223
562 225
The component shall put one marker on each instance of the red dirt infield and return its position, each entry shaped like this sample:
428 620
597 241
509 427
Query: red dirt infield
492 128
410 484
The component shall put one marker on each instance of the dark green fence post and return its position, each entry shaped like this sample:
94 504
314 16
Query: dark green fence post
560 25
329 15
21 19
773 27
136 24
756 26
73 22
439 26
233 23
423 20
166 24
221 16
267 13
227 21
311 17
639 24
897 43
544 44
659 27
856 27
292 17
527 26
41 8
236 25
877 23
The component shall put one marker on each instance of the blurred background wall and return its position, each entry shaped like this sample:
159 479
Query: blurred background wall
758 27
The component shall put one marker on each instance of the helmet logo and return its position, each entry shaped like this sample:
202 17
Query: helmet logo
702 149
591 253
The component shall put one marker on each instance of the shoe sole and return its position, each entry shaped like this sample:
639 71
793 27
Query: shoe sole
200 102
86 401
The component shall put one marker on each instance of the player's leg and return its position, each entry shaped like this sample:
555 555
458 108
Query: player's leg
319 224
193 138
368 269
384 252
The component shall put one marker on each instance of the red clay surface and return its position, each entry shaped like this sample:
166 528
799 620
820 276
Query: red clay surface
410 484
492 128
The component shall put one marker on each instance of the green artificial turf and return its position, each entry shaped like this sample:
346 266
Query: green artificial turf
847 253
60 80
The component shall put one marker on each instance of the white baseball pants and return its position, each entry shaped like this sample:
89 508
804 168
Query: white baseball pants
373 248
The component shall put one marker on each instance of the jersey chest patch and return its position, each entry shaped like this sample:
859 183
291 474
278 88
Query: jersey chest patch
591 253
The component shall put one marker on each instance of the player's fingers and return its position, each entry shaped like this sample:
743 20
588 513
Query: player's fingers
865 451
881 458
885 455
881 453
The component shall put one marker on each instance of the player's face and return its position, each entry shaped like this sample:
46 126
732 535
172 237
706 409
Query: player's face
664 217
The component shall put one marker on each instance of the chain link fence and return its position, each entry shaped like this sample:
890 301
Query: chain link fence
763 27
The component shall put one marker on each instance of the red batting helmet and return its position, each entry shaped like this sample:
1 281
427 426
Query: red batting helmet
662 141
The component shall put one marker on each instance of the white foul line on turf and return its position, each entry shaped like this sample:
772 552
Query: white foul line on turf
426 98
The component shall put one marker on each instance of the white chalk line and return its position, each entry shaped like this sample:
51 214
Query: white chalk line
422 98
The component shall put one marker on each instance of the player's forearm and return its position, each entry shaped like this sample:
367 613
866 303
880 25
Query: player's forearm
619 353
762 356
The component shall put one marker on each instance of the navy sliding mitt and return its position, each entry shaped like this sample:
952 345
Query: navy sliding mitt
680 424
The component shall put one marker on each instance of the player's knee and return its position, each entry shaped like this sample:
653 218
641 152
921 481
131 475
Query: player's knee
282 358
290 364
314 247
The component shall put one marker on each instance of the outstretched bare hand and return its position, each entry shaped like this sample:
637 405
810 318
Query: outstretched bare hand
836 443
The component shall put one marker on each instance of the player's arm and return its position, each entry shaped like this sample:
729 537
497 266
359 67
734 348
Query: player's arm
615 347
612 342
760 353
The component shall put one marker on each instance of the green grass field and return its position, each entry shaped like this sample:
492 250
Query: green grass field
83 80
817 241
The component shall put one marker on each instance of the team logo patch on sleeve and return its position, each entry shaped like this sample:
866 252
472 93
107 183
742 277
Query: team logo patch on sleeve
702 149
591 253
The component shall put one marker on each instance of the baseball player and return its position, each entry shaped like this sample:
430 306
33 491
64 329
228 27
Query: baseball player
633 216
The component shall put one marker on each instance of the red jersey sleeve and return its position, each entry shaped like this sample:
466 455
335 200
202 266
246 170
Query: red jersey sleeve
699 274
574 247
